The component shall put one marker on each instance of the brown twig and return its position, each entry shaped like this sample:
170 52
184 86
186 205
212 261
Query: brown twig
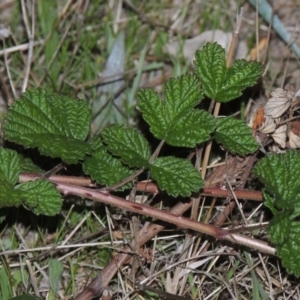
148 186
172 216
167 216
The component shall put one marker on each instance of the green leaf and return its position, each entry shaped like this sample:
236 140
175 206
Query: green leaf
193 128
154 112
221 83
280 174
10 165
28 166
210 66
176 176
56 125
289 252
182 94
174 119
9 196
128 144
269 202
279 229
103 167
55 272
235 136
40 196
10 169
240 75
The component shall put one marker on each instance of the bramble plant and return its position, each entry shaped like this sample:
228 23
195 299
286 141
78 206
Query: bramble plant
59 127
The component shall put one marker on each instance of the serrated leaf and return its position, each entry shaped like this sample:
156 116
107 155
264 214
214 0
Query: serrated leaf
240 75
10 165
68 149
55 271
289 251
10 168
167 117
41 197
28 166
280 175
269 202
128 144
193 128
56 125
103 167
235 136
153 111
182 94
210 66
9 196
176 176
221 83
279 229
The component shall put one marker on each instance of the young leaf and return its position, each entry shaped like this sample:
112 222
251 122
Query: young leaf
56 125
128 144
40 196
235 136
174 119
221 83
103 167
280 174
176 176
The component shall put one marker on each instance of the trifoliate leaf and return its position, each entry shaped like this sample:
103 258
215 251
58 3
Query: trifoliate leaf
221 83
280 174
176 176
193 128
56 125
41 197
289 251
235 136
174 116
128 144
103 167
